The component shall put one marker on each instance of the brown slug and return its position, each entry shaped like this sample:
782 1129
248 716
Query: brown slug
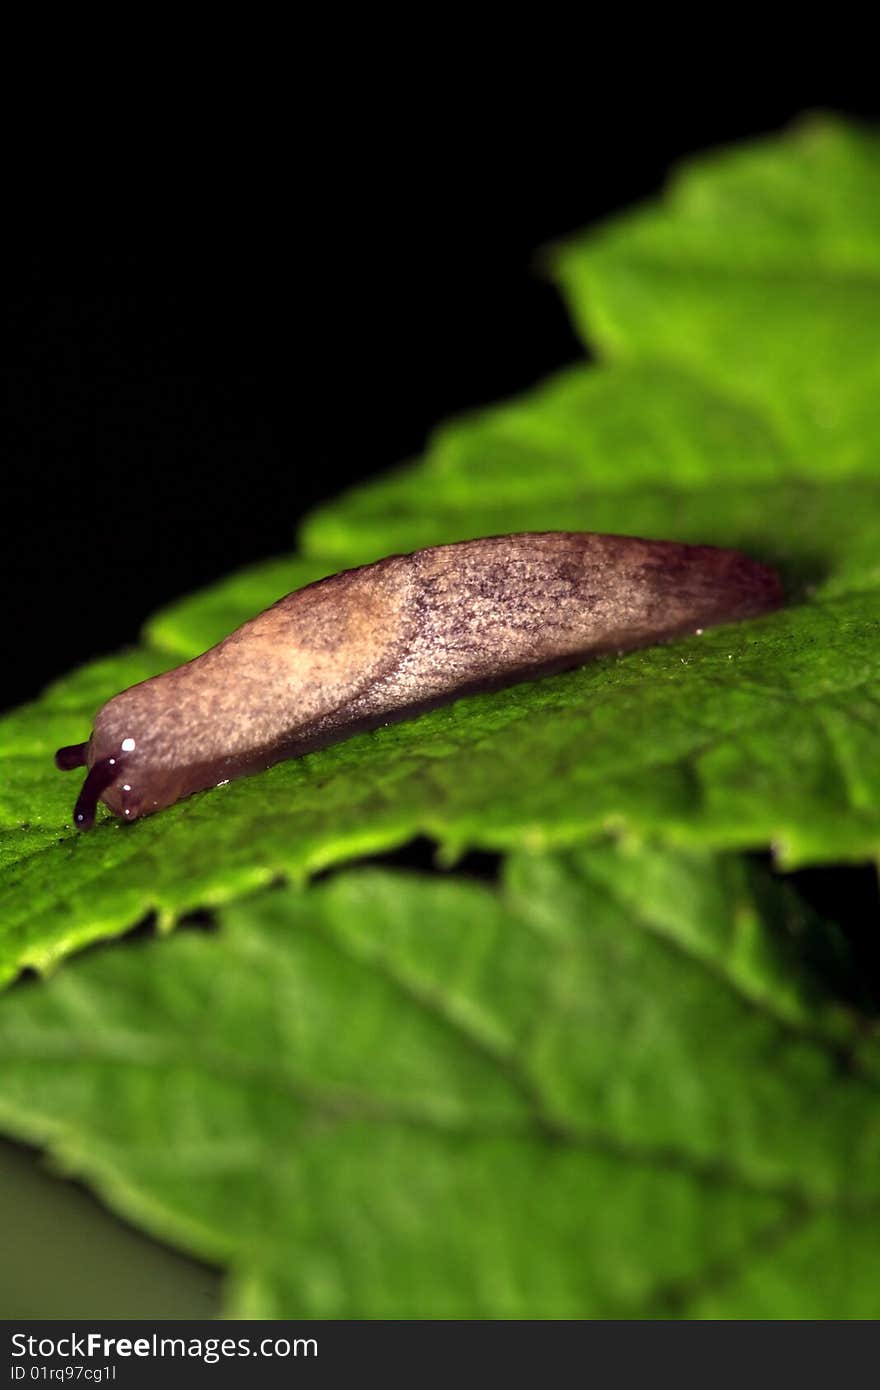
394 638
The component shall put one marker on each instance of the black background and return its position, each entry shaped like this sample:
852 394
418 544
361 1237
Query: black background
186 380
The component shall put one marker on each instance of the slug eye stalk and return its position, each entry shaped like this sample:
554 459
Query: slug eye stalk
105 771
74 755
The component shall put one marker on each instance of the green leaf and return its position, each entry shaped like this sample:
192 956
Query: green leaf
760 273
742 316
638 449
741 323
192 625
614 1087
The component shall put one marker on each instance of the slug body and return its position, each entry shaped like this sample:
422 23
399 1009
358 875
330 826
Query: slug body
394 638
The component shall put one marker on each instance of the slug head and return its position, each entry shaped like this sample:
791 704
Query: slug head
107 780
124 770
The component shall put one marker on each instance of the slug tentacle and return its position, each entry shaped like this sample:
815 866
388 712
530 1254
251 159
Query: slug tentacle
389 640
101 774
74 755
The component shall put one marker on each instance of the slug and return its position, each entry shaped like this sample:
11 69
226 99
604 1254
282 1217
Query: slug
394 638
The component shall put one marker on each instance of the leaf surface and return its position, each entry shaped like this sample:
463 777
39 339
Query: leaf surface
613 1087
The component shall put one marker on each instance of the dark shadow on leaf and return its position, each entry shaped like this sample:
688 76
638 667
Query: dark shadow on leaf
833 940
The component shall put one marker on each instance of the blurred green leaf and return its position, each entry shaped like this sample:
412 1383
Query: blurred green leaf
760 274
741 320
614 1087
193 624
741 314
